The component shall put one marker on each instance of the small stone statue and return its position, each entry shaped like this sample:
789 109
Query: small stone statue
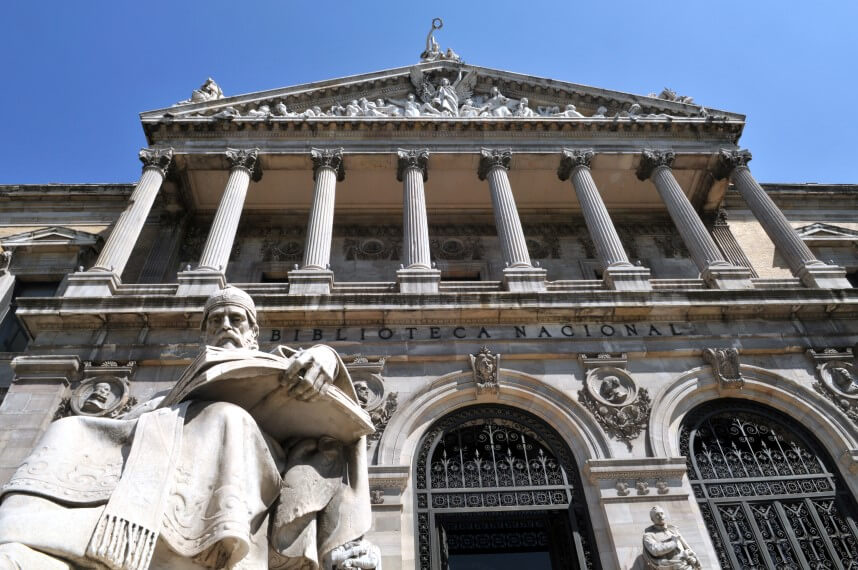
433 51
208 91
663 545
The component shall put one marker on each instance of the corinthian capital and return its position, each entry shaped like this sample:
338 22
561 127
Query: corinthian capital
247 159
159 158
414 158
652 159
491 158
729 160
572 159
328 158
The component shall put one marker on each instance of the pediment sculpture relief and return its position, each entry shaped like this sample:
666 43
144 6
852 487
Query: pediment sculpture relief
252 460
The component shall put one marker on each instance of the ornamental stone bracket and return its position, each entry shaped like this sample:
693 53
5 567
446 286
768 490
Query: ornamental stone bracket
386 484
48 369
638 479
615 400
725 366
485 366
837 380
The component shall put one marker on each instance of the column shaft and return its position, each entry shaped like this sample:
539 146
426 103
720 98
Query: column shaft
225 225
414 222
700 244
789 244
508 224
607 241
116 252
317 250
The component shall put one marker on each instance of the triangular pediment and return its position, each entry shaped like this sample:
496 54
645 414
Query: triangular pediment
820 232
53 236
442 90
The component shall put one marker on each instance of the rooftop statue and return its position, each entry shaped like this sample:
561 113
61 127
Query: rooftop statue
433 50
664 547
230 469
208 91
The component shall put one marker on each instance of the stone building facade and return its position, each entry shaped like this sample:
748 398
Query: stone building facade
567 305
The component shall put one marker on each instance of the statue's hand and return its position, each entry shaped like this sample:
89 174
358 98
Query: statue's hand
310 372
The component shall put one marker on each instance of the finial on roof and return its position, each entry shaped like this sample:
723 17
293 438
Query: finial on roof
433 50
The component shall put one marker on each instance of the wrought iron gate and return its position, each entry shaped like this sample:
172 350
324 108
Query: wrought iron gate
769 494
480 462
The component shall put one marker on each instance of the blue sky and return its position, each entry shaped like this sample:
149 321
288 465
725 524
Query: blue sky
76 74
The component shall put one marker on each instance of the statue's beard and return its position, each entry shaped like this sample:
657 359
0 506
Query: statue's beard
231 340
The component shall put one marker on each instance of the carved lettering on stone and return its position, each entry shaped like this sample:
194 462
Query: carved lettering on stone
725 365
485 366
620 407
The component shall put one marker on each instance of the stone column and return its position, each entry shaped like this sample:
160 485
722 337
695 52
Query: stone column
315 276
103 278
733 164
211 270
519 274
714 269
619 273
417 275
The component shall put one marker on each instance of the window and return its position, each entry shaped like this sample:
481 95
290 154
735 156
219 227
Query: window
769 495
497 488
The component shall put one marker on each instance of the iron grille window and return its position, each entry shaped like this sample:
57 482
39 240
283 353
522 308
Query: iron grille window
493 480
769 495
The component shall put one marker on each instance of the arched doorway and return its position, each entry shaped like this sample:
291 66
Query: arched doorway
497 488
770 496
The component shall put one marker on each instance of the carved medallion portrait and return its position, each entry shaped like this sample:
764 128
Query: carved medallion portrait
101 396
840 378
611 386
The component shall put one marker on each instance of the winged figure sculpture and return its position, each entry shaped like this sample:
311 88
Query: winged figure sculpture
444 97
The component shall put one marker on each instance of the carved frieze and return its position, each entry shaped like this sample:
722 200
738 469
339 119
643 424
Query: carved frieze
614 399
725 366
485 366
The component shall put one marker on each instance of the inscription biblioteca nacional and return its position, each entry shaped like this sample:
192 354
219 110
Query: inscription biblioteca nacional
397 333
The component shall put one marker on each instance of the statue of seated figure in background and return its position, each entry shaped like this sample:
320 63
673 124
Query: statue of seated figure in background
664 547
187 481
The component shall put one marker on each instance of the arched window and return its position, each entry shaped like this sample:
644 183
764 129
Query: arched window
497 488
769 494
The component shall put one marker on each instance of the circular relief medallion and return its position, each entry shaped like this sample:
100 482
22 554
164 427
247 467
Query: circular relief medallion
372 247
100 396
452 247
840 378
369 389
611 386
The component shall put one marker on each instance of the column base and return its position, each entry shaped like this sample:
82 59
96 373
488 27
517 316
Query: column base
727 277
823 276
200 282
91 284
524 279
627 278
310 282
418 280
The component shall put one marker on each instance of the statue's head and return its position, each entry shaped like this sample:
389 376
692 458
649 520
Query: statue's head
363 392
524 102
99 397
570 107
657 515
229 320
445 81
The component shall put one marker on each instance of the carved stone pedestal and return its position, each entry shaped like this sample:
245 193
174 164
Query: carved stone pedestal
727 277
418 280
91 284
823 276
200 282
311 282
627 278
524 279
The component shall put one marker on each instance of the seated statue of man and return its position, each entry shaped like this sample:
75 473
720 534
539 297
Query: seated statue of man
663 545
186 483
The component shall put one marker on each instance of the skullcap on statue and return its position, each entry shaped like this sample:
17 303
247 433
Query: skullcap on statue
230 295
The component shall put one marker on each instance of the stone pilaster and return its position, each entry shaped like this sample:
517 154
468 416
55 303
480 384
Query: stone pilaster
802 262
38 388
619 273
209 275
716 270
519 274
417 276
103 278
315 276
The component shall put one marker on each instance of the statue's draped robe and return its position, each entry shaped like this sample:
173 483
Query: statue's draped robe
200 476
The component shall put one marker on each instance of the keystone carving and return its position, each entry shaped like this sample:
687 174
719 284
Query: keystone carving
485 365
725 365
